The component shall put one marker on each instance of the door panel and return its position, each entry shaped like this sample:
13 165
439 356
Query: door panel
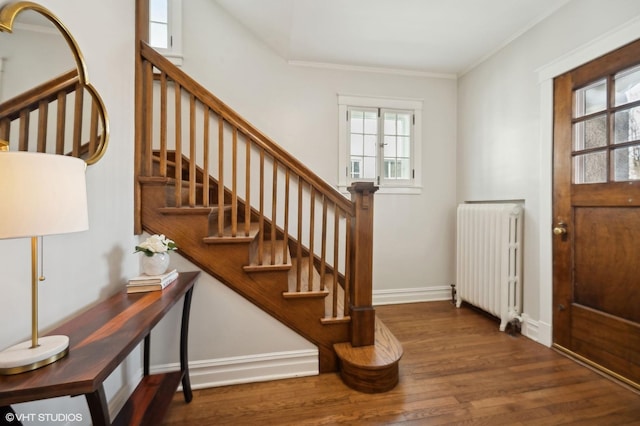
607 341
606 272
596 213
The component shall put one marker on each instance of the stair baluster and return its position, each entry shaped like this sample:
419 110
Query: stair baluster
328 267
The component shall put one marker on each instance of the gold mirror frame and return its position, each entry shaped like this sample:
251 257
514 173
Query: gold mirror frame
8 15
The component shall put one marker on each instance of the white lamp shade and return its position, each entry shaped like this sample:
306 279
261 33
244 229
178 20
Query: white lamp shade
41 194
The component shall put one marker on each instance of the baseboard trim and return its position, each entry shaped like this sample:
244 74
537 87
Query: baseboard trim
529 327
247 369
537 331
117 401
412 295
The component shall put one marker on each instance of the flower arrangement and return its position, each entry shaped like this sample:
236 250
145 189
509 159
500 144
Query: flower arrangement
156 244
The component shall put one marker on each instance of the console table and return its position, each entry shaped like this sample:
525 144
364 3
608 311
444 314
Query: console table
99 340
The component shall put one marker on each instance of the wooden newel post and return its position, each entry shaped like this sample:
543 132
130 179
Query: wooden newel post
361 291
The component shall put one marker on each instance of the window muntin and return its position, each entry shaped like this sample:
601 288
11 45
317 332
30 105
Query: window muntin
397 145
380 143
363 141
606 129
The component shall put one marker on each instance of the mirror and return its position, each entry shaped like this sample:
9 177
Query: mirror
46 101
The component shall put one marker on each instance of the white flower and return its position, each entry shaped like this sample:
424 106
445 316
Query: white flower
156 244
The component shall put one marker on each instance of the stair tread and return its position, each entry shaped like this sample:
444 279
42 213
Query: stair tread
188 210
385 351
228 237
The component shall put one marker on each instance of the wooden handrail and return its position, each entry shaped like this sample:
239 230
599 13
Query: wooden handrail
48 91
330 244
33 106
263 141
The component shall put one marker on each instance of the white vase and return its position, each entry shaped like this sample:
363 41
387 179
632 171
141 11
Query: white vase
156 264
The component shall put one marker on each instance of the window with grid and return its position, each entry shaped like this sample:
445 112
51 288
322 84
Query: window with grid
379 142
606 129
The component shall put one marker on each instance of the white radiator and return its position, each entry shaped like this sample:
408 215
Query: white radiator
489 259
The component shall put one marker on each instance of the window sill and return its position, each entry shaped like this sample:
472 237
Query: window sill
401 190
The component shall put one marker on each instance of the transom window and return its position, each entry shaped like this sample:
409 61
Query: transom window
379 142
606 129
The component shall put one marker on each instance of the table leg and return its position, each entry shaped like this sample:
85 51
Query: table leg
147 351
184 337
98 407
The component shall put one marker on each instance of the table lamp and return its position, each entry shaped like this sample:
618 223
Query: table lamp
40 194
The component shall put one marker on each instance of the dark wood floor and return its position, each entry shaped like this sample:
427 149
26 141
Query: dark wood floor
457 369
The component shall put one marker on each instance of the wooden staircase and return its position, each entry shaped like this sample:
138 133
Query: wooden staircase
272 285
251 215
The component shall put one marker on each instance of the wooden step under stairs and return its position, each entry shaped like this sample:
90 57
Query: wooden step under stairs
263 269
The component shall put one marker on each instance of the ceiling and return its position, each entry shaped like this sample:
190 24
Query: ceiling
425 36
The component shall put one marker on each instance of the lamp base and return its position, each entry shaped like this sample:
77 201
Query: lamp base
22 357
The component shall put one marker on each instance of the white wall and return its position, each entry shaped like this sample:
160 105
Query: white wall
297 107
85 267
504 144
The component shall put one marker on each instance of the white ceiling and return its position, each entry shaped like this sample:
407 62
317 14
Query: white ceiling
431 36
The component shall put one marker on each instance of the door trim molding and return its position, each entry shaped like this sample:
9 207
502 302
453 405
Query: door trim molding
609 41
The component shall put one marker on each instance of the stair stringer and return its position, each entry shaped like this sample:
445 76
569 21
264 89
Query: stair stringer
225 262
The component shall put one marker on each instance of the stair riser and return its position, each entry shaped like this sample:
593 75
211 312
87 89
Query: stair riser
184 197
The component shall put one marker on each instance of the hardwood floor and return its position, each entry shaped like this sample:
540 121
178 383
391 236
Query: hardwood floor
457 369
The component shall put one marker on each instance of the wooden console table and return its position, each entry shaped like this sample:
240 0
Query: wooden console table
99 340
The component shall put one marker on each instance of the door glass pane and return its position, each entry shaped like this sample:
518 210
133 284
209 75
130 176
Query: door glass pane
590 168
627 86
591 99
591 133
627 124
626 163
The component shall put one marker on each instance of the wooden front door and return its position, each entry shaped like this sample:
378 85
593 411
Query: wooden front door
596 213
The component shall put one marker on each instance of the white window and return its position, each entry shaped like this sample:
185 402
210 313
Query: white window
380 142
165 28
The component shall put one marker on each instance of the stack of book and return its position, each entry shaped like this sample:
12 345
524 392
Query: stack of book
151 282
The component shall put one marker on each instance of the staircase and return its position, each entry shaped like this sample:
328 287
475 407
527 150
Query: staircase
254 217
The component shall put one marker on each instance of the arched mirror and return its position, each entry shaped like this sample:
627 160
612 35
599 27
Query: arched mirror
46 101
